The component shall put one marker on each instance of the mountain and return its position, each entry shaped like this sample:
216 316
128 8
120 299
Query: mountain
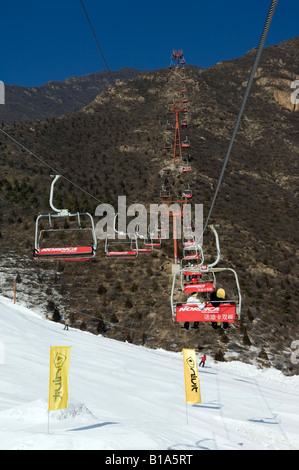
124 397
58 97
114 146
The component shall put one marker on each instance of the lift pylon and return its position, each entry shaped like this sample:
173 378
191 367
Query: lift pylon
177 55
177 108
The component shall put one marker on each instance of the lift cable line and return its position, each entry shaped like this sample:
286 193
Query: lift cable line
254 67
49 166
96 39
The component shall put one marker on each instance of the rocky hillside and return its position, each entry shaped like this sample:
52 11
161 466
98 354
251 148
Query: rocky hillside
56 98
115 146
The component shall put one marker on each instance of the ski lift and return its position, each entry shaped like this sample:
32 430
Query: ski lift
167 169
167 145
153 242
221 311
192 250
186 143
197 255
148 246
126 248
187 194
120 252
196 282
157 234
184 123
169 126
64 253
164 194
186 168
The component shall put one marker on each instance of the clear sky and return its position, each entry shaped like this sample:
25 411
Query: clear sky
43 40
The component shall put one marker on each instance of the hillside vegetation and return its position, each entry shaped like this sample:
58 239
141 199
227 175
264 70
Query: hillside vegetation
114 146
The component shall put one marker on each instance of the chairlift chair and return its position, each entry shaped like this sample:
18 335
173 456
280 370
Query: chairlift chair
164 194
186 168
186 143
225 311
63 253
167 169
147 247
169 126
187 194
126 248
198 278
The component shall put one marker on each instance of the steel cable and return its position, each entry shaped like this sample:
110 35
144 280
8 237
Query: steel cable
96 39
254 67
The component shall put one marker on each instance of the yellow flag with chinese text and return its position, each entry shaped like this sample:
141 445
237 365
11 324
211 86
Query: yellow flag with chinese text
59 375
192 386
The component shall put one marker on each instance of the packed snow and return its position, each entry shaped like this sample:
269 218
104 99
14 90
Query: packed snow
128 397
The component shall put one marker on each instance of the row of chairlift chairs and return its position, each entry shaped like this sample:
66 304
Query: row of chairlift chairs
195 277
199 276
78 224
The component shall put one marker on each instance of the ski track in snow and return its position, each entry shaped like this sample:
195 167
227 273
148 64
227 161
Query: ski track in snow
127 397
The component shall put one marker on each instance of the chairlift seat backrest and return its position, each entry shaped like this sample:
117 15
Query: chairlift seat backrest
72 253
202 286
224 312
121 254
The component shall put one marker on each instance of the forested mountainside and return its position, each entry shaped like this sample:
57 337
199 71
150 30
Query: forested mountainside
115 146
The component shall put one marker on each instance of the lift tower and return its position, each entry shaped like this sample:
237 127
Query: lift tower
177 108
178 57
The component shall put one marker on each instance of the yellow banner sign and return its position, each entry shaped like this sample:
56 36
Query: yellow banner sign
59 372
192 387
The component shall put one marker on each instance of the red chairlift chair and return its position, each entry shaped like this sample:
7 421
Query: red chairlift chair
69 252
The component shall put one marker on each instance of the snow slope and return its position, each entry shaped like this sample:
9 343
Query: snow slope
127 397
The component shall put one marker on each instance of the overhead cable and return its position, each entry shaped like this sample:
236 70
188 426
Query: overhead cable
254 67
50 166
96 39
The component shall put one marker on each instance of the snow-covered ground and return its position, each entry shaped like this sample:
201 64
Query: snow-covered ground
127 397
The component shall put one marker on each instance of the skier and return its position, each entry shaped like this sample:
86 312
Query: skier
203 360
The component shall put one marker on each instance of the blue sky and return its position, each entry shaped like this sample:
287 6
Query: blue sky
51 40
